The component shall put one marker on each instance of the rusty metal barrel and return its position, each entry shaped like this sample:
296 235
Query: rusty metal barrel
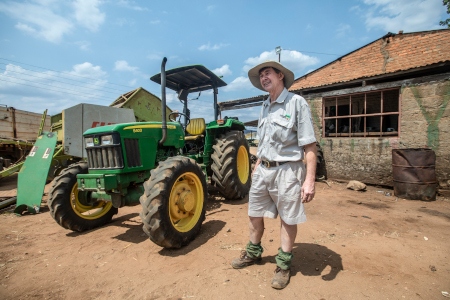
414 174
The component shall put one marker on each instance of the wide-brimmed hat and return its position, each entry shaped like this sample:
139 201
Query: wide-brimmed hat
253 74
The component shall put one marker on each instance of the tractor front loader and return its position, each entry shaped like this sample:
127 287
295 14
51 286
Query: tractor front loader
164 166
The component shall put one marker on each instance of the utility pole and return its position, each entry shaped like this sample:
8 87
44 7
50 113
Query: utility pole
278 51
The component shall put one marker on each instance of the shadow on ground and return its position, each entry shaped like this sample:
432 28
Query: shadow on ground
313 260
134 233
209 229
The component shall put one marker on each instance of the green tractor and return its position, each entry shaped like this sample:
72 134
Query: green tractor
163 165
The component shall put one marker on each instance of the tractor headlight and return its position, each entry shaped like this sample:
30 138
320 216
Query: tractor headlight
89 142
107 140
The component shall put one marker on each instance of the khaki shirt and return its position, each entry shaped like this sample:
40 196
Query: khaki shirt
284 127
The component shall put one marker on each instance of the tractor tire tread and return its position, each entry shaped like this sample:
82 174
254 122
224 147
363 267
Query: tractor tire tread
225 176
154 201
59 201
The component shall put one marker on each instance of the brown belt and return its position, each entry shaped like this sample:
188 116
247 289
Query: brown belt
271 164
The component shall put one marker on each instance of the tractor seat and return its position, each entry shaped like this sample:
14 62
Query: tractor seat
195 129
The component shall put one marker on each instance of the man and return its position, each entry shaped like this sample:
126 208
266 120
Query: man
280 185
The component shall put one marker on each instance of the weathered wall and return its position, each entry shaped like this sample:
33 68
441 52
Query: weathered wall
21 124
425 123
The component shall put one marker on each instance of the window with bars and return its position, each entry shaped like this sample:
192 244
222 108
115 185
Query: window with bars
370 114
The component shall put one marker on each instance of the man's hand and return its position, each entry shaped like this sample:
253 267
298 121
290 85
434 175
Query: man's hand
308 191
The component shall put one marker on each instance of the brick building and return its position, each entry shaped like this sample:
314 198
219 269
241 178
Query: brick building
390 94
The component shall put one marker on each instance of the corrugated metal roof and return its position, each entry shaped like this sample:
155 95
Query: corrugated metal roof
194 78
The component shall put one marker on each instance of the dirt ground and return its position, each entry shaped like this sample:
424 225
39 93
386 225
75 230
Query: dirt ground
355 245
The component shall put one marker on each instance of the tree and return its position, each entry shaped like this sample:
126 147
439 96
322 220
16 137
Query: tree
446 22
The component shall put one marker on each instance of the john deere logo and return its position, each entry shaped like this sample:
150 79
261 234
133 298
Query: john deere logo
96 141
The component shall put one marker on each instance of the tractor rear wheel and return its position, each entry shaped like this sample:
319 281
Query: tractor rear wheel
231 165
173 203
70 208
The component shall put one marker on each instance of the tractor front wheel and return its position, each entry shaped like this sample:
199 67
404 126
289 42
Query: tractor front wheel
231 165
173 203
70 208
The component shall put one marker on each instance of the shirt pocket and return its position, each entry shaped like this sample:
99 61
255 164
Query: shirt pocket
282 129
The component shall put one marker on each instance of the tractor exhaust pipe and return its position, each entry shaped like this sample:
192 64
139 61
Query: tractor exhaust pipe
163 101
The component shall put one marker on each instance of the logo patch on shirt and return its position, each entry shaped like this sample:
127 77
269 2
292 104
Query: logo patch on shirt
287 117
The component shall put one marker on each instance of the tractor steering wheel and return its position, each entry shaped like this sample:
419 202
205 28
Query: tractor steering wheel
174 115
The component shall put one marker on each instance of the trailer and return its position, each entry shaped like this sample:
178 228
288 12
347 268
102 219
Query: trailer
18 132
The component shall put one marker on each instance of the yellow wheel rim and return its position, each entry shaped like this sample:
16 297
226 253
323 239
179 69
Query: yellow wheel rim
243 168
88 212
186 202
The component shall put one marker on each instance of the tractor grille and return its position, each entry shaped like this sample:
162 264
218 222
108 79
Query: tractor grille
133 153
105 157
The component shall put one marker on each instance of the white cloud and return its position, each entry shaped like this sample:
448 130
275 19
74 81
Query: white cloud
131 5
88 70
88 14
238 84
125 22
154 57
83 45
51 20
356 9
291 59
343 30
122 65
38 19
406 15
172 97
25 27
36 91
208 47
222 71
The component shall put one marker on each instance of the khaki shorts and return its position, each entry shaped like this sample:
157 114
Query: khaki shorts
277 190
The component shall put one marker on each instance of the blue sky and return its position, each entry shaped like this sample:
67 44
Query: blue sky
56 54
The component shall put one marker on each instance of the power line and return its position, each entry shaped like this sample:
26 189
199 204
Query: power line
68 91
319 53
61 89
64 76
85 77
64 89
56 75
63 82
301 51
47 89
